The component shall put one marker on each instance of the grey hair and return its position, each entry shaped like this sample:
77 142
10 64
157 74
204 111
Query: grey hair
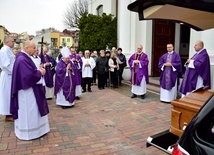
27 43
201 43
6 38
87 51
102 51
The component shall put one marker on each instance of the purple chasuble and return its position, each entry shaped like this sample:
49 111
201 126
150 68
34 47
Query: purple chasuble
76 69
169 77
24 76
66 83
202 68
137 73
48 75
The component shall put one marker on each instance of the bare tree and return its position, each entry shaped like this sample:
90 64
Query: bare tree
74 12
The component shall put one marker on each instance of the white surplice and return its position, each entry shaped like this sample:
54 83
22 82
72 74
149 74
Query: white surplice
61 101
78 90
199 83
49 92
37 62
168 95
139 90
29 125
7 59
88 71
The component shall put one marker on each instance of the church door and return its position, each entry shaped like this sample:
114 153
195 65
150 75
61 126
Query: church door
163 33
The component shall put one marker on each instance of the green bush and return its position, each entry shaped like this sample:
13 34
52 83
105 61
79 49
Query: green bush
97 31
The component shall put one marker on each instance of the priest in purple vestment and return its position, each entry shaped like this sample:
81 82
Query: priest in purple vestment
138 63
65 82
48 64
28 103
76 61
197 74
170 68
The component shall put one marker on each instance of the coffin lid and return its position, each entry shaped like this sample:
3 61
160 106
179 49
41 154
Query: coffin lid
198 14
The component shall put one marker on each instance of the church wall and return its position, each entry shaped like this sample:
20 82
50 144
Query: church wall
124 26
207 37
143 35
131 31
109 6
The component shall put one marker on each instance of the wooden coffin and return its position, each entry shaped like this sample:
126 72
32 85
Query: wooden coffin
184 109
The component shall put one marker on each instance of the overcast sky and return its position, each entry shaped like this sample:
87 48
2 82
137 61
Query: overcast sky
32 15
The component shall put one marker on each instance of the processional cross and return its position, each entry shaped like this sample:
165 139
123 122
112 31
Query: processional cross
42 43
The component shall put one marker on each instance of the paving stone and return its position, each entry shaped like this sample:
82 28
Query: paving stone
102 122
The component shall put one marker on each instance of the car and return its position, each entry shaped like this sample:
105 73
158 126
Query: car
198 136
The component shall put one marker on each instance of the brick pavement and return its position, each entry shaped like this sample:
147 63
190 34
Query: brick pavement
104 122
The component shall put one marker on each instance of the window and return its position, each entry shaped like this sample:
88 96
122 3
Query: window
100 10
68 39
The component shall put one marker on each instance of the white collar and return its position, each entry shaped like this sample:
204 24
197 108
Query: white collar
199 51
170 52
140 52
25 53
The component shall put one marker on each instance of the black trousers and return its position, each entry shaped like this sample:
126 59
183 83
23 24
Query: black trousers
114 78
94 76
120 74
87 81
101 80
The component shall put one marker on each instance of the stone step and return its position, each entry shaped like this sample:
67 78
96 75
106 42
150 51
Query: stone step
153 88
153 85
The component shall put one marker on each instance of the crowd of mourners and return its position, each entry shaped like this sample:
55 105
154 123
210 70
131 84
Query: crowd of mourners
31 77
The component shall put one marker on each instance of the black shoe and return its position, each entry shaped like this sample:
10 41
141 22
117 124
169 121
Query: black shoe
71 106
77 97
165 102
103 87
83 91
116 87
64 107
142 96
89 91
133 96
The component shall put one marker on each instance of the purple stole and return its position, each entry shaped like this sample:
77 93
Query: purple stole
135 72
65 83
168 69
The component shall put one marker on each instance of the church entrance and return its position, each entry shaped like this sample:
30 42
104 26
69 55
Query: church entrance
163 33
184 44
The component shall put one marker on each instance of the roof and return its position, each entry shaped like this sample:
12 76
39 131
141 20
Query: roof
198 14
65 35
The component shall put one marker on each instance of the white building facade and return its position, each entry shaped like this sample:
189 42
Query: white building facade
132 32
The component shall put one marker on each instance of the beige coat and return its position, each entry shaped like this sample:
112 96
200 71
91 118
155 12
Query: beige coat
112 66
